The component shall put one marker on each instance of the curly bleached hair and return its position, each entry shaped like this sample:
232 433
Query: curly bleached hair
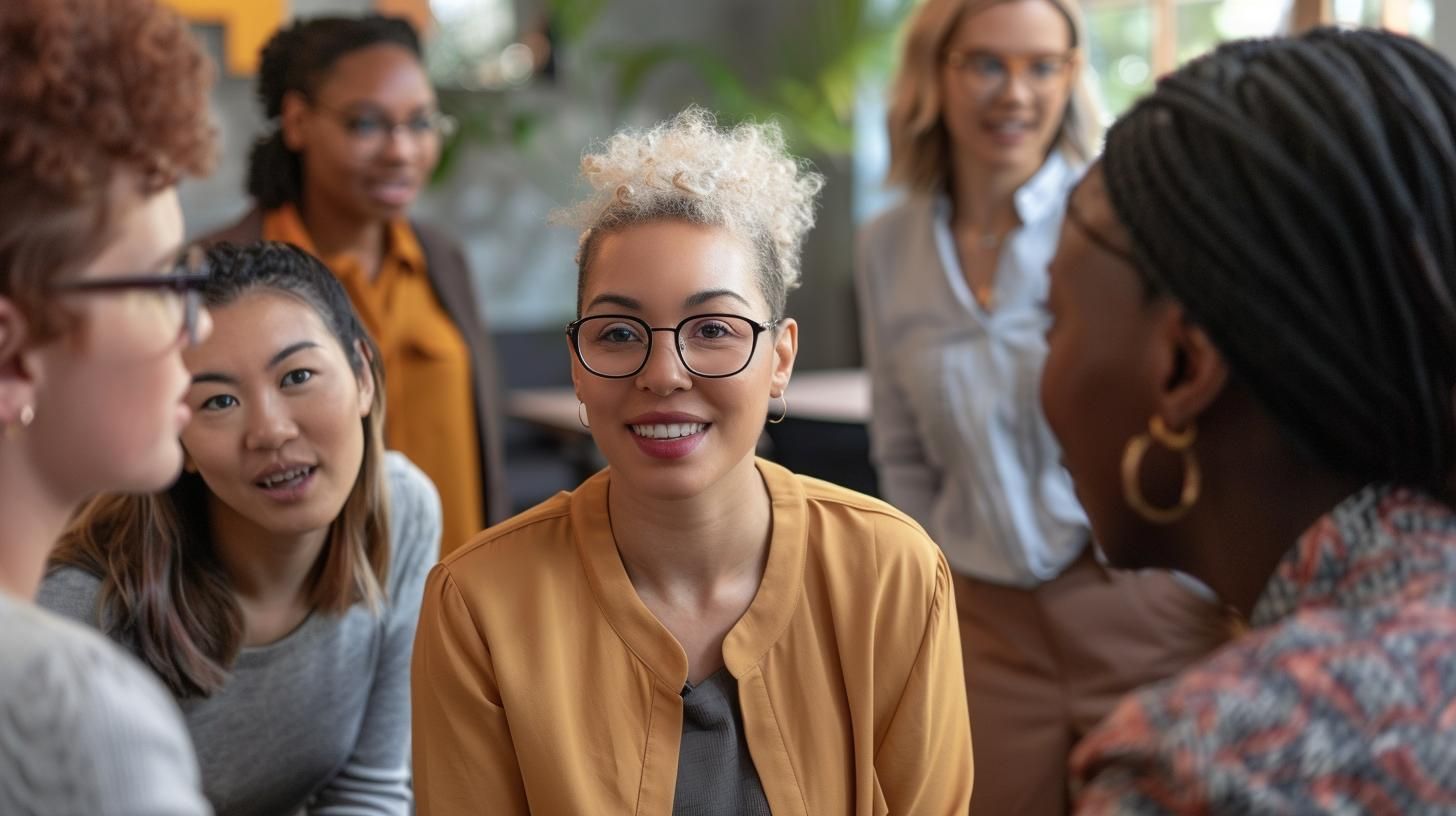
688 169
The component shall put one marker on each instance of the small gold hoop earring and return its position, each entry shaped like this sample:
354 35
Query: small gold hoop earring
27 416
1132 462
783 416
581 415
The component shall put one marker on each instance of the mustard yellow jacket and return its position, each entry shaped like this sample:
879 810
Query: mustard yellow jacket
543 685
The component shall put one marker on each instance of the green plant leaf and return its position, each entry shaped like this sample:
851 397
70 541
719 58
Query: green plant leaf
449 154
816 63
572 19
523 126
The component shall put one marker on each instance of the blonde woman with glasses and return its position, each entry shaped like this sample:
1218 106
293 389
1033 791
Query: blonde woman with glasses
991 123
693 630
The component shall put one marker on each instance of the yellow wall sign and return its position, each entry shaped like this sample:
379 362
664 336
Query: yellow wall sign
246 26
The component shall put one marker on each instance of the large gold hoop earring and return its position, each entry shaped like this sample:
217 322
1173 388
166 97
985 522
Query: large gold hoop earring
1132 462
783 416
581 415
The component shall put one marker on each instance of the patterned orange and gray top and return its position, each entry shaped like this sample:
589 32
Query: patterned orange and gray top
1340 699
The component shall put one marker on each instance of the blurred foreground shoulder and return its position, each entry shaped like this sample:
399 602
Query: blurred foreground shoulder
84 728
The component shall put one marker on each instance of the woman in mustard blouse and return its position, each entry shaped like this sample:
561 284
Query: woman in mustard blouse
693 630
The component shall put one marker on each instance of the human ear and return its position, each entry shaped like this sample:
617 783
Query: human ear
1196 372
575 365
366 378
785 349
292 120
17 371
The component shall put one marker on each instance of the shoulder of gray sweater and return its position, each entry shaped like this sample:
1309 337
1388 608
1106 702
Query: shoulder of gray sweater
105 718
414 522
72 593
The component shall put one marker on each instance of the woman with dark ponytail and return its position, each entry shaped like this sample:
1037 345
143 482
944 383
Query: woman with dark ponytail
274 587
354 134
1250 372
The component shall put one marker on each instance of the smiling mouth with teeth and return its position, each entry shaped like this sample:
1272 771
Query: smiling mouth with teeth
286 478
672 431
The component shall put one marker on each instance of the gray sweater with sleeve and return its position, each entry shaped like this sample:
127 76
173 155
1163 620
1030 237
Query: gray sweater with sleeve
84 728
318 721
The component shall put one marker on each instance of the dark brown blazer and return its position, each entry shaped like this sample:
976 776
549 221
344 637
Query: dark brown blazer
450 277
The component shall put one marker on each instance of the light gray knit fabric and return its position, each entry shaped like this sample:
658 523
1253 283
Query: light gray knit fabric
84 728
319 720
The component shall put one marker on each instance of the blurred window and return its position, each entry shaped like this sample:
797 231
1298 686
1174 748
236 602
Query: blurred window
1135 41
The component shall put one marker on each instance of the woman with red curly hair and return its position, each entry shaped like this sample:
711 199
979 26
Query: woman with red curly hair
105 107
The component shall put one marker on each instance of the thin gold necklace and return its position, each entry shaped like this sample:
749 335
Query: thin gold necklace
985 293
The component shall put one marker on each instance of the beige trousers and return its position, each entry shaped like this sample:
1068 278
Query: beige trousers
1045 665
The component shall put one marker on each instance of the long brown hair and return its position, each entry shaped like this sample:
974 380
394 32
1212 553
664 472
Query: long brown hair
163 589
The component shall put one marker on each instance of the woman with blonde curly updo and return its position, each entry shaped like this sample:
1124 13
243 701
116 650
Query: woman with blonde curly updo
693 630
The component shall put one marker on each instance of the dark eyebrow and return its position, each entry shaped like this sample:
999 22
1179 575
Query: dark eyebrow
290 351
213 377
986 52
359 106
226 379
706 295
362 107
618 300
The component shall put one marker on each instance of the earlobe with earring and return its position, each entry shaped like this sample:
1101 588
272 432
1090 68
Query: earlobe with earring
27 416
785 415
581 415
1180 442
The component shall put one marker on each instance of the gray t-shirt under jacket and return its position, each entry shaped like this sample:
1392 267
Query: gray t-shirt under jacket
715 774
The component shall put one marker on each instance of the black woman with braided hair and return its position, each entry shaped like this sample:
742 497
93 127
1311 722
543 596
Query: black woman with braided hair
1251 373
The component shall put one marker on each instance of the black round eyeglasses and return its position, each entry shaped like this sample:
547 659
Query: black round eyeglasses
709 345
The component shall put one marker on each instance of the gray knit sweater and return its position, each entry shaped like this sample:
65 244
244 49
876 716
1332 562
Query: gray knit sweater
84 728
320 720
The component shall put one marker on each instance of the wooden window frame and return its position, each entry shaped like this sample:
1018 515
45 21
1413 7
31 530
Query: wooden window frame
1305 14
1394 14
